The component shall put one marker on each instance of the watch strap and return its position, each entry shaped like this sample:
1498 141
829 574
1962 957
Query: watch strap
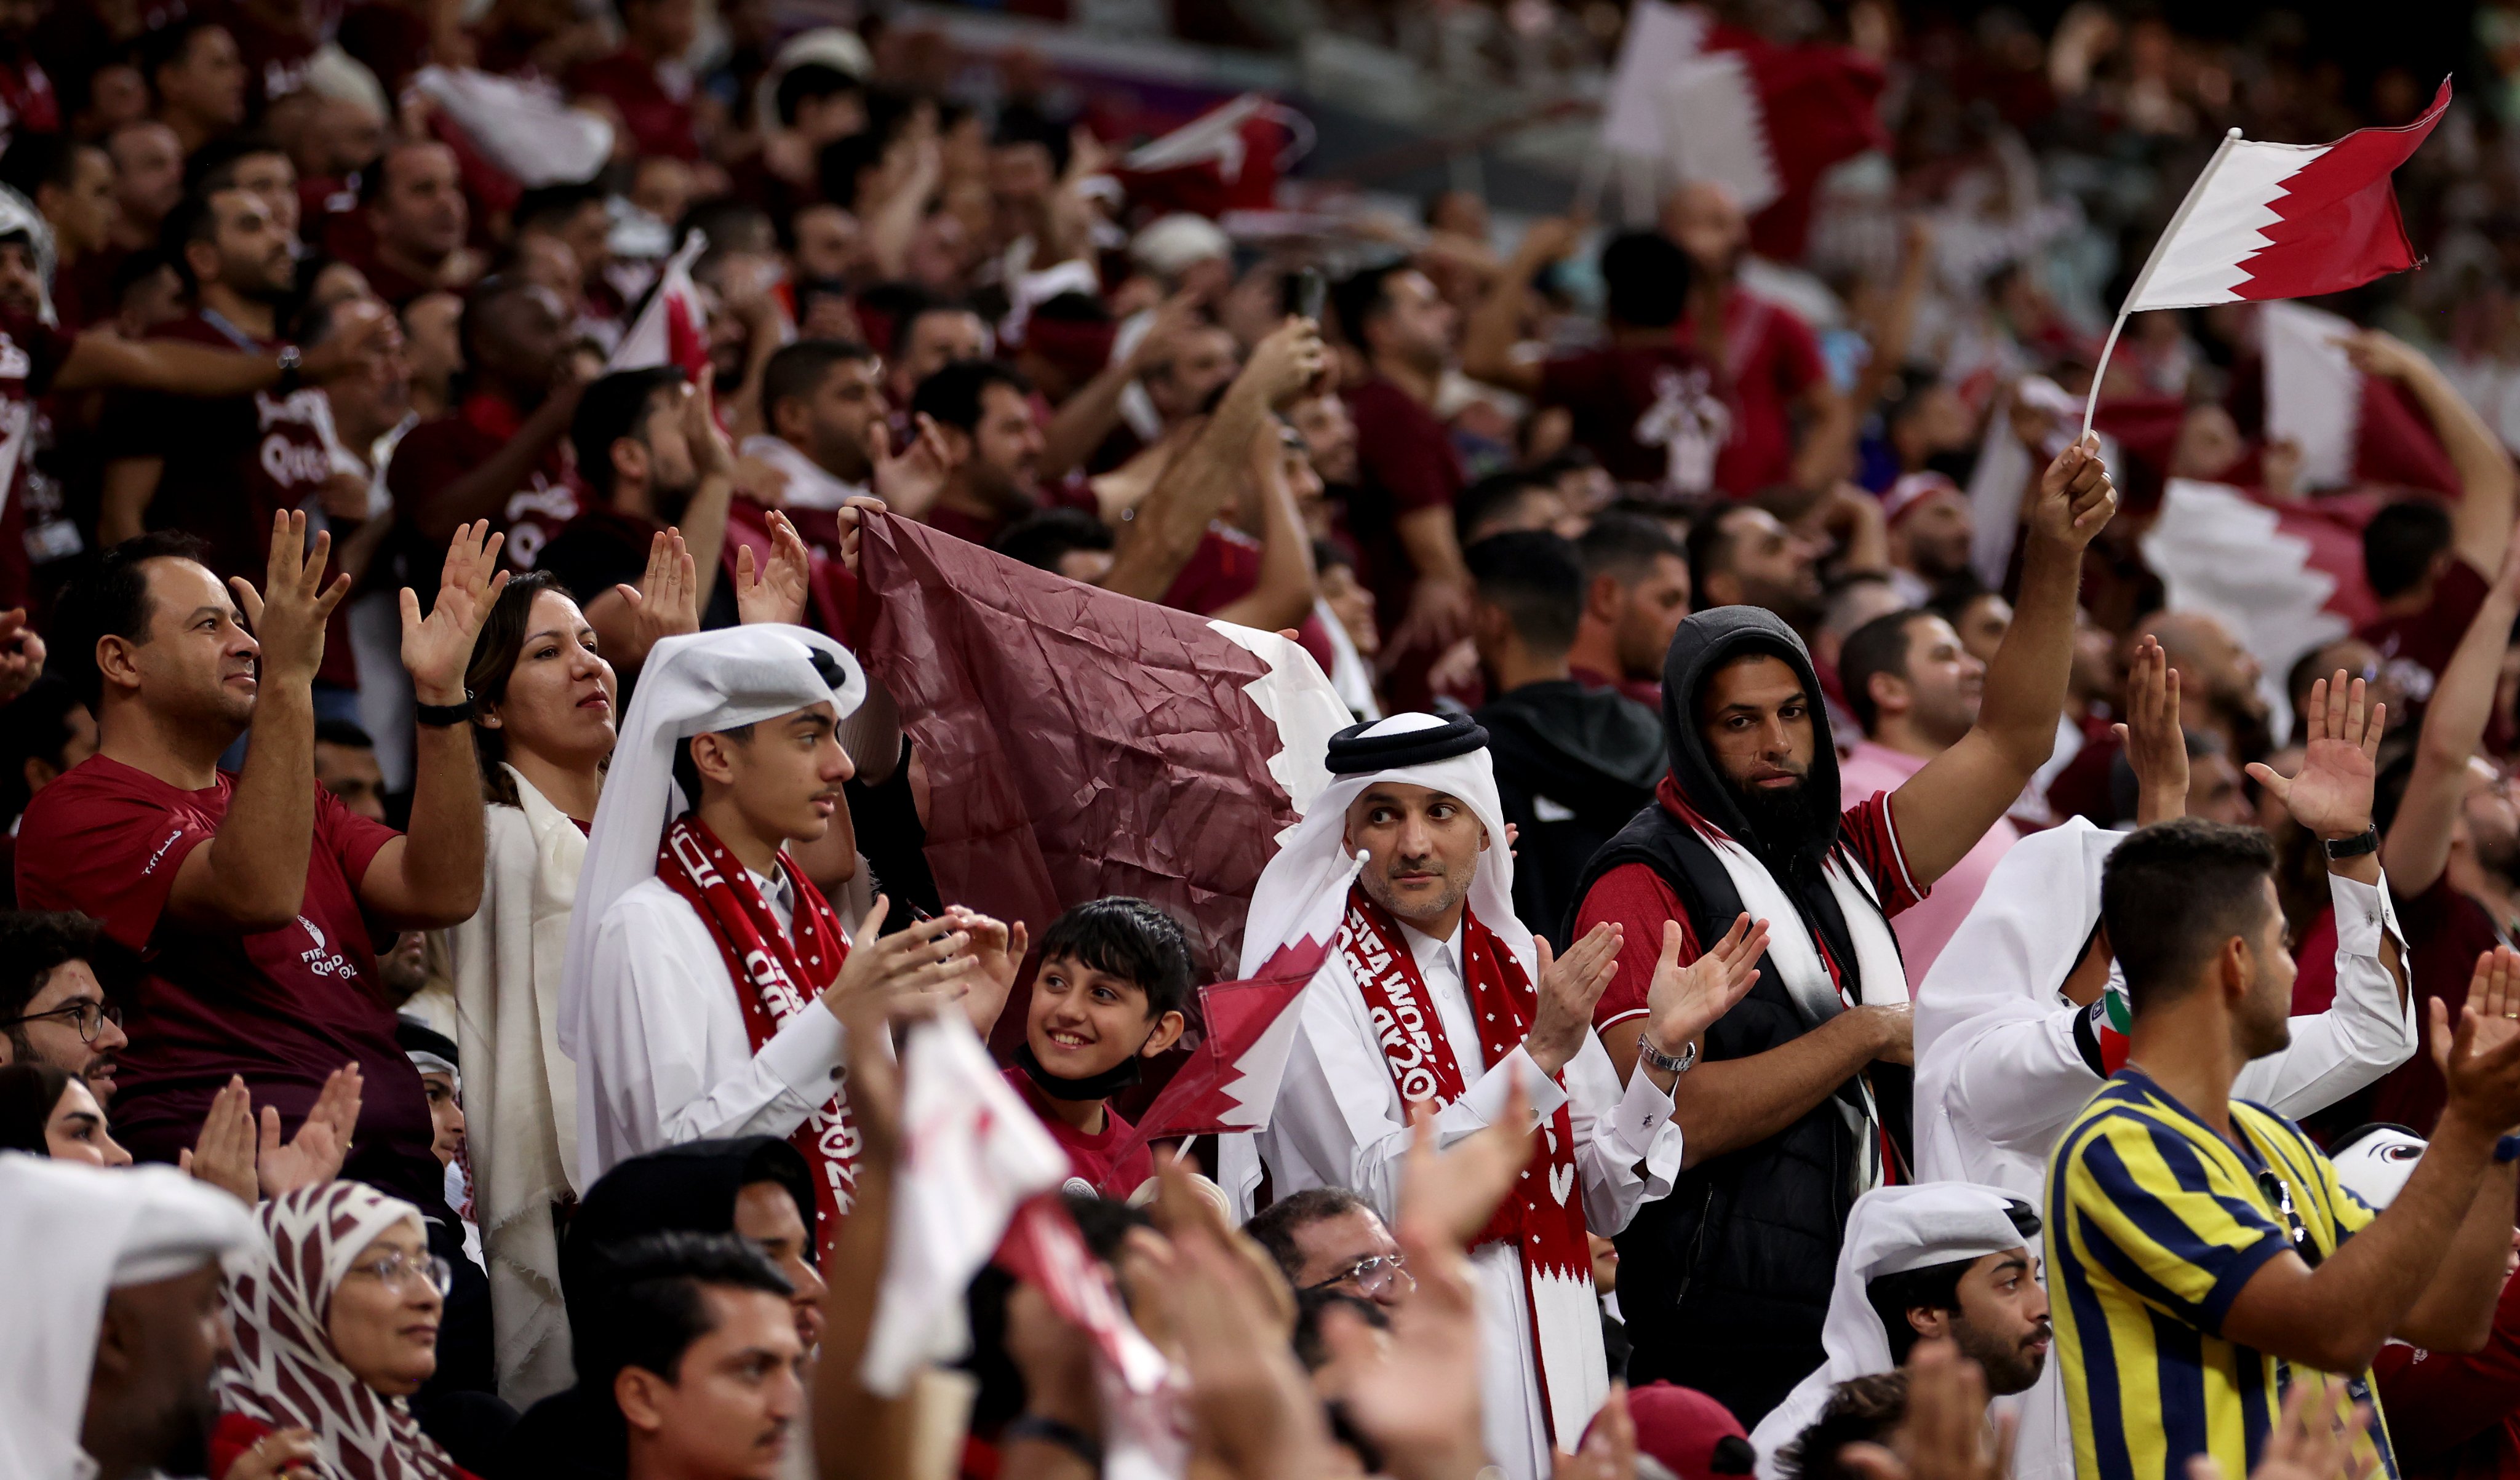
2366 842
1670 1063
443 716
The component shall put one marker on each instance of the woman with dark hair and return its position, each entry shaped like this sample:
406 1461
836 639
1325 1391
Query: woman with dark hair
755 1186
50 1112
544 703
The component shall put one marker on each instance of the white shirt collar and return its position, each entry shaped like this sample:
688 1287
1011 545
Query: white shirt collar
780 894
1430 952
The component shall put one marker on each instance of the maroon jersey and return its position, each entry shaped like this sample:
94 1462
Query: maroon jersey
434 454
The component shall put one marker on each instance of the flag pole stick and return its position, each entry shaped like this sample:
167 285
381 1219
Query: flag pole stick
2144 279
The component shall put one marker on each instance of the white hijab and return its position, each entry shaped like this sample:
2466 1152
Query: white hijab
1313 849
1891 1230
693 685
2004 965
72 1234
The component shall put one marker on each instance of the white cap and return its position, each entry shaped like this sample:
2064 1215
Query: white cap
1171 244
2377 1162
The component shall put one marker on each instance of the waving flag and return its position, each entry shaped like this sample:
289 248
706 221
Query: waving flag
673 328
2286 220
2351 428
1079 744
1715 102
2279 221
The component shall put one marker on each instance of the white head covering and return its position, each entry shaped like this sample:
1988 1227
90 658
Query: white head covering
692 685
1891 1230
1171 245
2004 965
19 215
2377 1162
74 1232
1313 848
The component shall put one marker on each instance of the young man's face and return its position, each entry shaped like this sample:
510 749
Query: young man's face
834 425
82 210
445 1116
766 1213
1084 1022
421 209
72 990
1757 724
936 341
784 779
22 283
1005 449
351 773
1425 846
255 257
272 179
1650 611
2001 1324
737 1392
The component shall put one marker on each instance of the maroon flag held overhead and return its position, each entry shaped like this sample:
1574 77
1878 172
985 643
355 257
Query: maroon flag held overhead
1079 744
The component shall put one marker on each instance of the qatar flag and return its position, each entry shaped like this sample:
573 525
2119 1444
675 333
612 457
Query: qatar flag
2286 220
1226 160
673 327
1078 743
1718 103
2285 576
2352 429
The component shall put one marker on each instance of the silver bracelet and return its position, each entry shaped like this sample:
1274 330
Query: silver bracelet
1669 1064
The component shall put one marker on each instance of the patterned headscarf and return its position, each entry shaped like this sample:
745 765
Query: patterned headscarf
283 1371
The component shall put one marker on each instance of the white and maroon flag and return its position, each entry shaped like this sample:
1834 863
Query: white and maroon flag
1718 103
673 327
2281 221
2286 220
2352 429
1079 744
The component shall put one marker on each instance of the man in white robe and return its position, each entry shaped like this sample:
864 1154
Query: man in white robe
1417 794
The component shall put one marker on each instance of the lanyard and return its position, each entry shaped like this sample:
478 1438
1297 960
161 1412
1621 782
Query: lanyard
235 336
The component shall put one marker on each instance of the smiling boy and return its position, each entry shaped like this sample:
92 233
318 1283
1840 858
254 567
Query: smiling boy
1113 975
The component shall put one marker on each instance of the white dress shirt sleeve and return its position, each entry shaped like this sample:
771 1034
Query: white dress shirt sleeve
1627 1144
2368 1031
2019 1081
671 1061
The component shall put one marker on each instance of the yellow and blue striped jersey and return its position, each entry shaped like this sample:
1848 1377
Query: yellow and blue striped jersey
2155 1222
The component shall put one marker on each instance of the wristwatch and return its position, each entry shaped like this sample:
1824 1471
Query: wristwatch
2366 842
289 362
1669 1064
443 716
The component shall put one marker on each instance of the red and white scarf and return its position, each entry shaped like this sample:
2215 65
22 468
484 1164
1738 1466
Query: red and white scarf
1543 1216
777 974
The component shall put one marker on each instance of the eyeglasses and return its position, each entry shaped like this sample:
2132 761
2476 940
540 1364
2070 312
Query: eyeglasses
85 1013
396 1270
1374 1276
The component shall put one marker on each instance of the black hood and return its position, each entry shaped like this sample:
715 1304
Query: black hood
1566 728
1704 642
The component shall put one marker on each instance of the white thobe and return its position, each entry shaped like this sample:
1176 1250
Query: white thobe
1340 1122
668 1057
2021 1082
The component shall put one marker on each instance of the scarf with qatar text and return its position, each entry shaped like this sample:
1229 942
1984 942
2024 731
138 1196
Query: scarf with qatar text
777 974
1542 1218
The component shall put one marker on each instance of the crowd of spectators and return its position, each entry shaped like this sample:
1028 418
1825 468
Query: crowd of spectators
411 412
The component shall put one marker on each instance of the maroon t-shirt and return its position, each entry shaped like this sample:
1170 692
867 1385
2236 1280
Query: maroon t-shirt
659 122
207 448
2445 932
1223 569
433 454
1091 1157
1404 463
1650 415
283 1007
291 458
1771 357
2421 642
31 354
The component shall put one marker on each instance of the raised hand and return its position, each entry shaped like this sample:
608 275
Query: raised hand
288 613
1945 1437
437 650
851 517
2331 795
1287 361
666 600
222 1156
2307 1442
1568 987
2156 747
1417 1396
22 655
902 976
2076 499
997 953
712 451
911 479
1449 1196
2480 1064
1684 1002
777 594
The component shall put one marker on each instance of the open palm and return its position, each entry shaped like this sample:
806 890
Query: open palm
1684 1001
435 649
2331 794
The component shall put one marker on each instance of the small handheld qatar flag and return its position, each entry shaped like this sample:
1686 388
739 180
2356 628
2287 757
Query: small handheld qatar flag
1231 1080
2279 221
971 1152
673 327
